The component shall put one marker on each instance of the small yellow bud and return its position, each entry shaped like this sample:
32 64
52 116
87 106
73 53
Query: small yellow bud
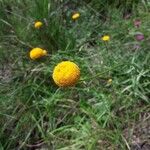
38 24
105 38
36 53
75 16
109 81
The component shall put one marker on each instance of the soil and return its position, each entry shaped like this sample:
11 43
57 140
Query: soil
5 73
138 134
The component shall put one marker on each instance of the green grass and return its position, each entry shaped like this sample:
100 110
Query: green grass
93 115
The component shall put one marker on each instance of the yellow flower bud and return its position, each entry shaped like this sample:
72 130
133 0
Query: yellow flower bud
36 53
38 24
105 38
109 81
75 16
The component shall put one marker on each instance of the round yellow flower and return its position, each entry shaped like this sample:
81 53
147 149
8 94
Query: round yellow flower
36 53
75 16
106 38
66 74
38 24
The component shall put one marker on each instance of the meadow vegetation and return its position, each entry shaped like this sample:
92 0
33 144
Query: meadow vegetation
108 109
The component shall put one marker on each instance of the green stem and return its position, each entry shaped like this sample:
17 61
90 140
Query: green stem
106 46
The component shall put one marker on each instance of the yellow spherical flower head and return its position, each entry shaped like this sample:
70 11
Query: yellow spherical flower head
75 16
66 74
106 38
38 24
36 53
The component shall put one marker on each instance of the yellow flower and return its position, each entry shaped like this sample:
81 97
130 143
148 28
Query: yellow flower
106 38
66 74
38 24
109 81
75 16
37 53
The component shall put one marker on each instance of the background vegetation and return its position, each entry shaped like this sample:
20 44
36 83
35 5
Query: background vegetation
95 114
